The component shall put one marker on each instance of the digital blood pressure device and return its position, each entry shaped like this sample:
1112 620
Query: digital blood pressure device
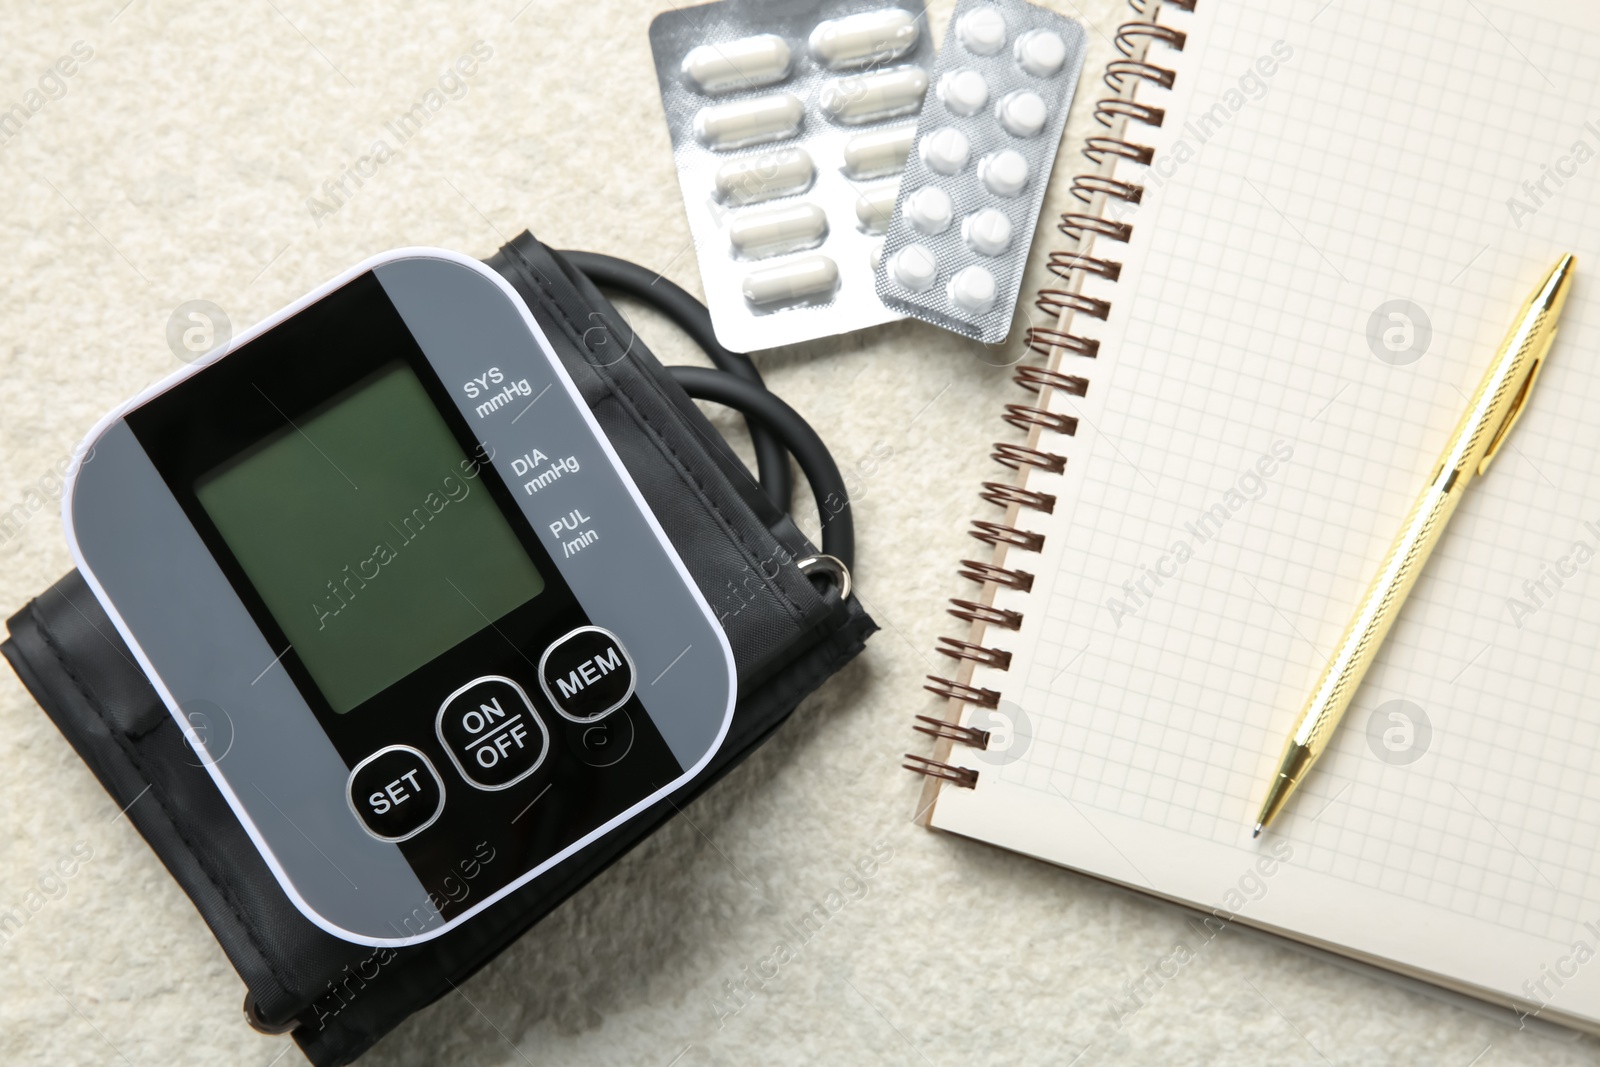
380 650
387 573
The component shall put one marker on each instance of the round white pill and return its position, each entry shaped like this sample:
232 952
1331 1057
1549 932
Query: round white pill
982 30
1041 52
1023 113
914 267
988 232
1005 173
946 151
972 289
800 279
964 92
929 210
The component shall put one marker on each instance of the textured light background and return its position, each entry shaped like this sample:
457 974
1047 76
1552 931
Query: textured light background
177 166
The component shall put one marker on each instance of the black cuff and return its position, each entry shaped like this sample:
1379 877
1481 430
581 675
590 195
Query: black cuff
788 636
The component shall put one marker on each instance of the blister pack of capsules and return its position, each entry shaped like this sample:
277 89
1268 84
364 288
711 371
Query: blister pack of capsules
975 180
790 124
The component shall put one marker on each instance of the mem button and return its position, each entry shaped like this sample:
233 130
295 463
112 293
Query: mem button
491 732
587 674
395 793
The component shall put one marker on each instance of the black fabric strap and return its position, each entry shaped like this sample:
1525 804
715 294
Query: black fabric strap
788 637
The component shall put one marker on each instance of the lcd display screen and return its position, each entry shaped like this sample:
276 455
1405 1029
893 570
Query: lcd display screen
369 535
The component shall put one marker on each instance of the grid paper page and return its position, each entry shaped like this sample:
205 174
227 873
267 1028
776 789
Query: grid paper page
1258 424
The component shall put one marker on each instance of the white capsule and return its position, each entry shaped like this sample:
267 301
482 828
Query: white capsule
946 151
772 231
1005 173
982 30
880 152
875 255
964 92
987 232
915 267
1023 113
800 279
747 122
870 37
870 97
875 206
747 63
752 179
929 210
972 289
1041 52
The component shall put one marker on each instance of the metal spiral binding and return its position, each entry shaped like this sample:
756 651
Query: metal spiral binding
967 735
961 776
997 658
971 694
1022 416
1018 456
1042 339
1107 112
1075 226
1123 75
1129 32
1062 264
1098 148
1085 186
1035 379
1119 70
1005 494
1055 301
972 611
996 533
988 573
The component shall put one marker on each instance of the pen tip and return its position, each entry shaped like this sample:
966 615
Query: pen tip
1257 832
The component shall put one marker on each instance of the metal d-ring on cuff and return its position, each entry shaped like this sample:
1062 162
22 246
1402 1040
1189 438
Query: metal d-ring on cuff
252 1015
830 567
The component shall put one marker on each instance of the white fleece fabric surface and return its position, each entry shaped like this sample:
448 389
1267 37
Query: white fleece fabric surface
176 164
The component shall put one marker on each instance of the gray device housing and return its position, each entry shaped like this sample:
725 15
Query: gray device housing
205 655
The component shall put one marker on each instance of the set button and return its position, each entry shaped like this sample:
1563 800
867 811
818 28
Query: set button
395 793
587 674
491 733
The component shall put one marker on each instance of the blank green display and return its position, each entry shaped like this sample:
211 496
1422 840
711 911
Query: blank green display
370 536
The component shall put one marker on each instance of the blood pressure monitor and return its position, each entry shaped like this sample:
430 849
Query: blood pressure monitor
387 573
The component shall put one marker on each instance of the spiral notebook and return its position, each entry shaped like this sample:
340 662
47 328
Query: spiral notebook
1306 228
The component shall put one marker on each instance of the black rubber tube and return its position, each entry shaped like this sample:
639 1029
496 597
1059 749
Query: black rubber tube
760 405
691 316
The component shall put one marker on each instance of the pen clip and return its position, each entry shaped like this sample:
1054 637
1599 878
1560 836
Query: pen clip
1517 405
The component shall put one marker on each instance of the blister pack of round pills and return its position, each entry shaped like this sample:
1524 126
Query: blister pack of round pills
970 196
791 122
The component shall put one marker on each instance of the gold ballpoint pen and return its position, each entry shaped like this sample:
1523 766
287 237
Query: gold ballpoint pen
1490 416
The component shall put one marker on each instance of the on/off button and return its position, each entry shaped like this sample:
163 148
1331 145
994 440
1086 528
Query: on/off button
491 732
